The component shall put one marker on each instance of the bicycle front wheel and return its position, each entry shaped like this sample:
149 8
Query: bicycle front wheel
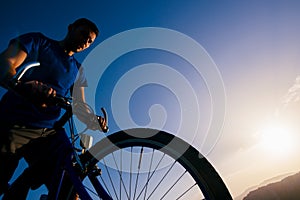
150 164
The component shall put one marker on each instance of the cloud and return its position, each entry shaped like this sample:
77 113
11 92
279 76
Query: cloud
292 95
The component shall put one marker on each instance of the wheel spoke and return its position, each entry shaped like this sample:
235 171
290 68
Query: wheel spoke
138 173
185 192
148 175
153 172
110 179
174 184
119 171
161 180
105 185
130 175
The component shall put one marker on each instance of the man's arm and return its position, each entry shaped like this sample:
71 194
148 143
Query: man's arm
83 112
10 59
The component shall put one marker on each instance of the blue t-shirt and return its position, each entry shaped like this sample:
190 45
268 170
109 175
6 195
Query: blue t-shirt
57 69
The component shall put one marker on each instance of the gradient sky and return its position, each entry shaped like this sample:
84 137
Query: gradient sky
253 43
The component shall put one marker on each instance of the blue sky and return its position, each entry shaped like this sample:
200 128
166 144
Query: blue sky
253 43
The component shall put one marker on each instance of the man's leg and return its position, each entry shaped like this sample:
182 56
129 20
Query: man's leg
20 187
8 164
12 141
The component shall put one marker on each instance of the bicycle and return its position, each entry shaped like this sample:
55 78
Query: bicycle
154 167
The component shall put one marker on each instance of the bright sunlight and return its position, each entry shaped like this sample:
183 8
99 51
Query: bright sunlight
277 139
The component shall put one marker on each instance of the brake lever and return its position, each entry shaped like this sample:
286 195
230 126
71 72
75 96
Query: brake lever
104 129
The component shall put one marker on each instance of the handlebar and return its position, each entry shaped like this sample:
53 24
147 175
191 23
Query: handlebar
60 101
65 103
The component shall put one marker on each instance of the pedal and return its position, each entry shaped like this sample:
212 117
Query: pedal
96 171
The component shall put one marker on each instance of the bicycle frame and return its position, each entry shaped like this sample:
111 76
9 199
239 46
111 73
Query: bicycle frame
69 167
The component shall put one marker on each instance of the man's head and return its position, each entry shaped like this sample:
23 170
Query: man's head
81 34
85 22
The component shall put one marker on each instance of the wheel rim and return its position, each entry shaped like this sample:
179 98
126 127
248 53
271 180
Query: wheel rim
133 168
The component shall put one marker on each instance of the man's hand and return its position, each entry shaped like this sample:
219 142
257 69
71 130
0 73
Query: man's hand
35 91
103 123
84 113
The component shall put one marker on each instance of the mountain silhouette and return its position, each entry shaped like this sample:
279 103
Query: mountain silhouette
286 189
264 183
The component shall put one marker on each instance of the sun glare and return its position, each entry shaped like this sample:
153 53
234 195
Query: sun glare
277 139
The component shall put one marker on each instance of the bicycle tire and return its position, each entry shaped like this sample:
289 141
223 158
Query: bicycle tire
203 173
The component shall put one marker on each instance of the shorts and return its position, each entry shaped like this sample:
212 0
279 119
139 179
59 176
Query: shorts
14 137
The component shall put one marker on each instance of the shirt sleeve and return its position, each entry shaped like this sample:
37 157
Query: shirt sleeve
28 42
81 80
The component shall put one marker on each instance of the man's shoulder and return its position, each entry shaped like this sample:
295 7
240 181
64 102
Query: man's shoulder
31 38
34 34
37 35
